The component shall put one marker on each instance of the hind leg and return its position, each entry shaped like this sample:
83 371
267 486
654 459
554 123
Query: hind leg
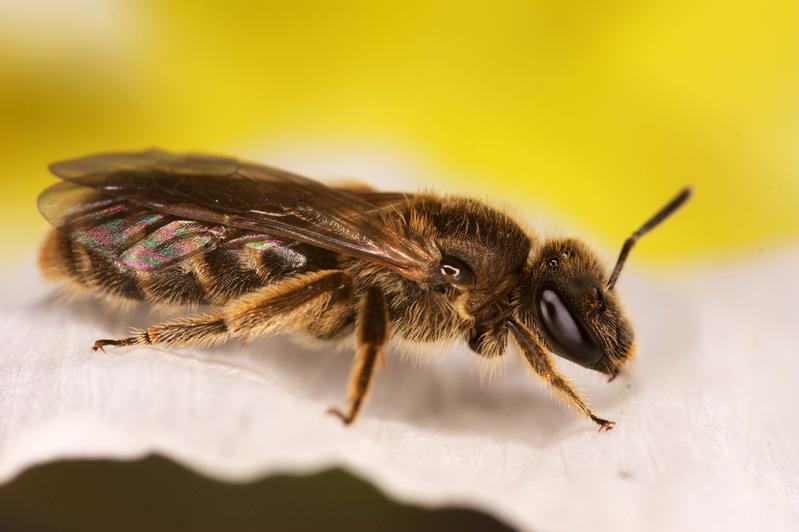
291 304
201 330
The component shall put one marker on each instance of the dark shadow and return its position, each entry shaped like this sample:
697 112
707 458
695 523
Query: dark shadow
155 494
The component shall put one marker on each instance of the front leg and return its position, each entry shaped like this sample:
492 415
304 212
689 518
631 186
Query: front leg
540 362
372 332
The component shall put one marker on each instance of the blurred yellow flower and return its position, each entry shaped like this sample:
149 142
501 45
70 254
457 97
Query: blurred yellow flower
597 112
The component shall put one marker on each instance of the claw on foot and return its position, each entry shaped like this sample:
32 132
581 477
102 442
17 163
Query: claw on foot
100 344
339 414
604 424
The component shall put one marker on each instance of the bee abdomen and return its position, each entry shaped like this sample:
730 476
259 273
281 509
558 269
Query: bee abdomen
224 274
228 273
212 278
65 261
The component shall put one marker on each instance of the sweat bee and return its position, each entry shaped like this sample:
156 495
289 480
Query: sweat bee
269 252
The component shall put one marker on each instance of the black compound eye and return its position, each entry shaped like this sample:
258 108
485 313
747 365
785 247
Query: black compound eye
456 272
574 342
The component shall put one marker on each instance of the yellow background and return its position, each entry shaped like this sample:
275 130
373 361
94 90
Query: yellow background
598 111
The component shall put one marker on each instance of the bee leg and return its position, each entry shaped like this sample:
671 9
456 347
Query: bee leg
315 300
204 329
372 332
289 304
541 363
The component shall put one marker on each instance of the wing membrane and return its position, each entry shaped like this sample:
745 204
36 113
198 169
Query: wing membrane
247 196
380 200
128 234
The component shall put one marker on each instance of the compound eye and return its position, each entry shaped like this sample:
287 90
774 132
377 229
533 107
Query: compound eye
456 272
574 342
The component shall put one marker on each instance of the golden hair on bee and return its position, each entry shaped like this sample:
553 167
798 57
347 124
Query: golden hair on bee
270 252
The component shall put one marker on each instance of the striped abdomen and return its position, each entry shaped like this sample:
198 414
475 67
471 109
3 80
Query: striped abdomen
211 278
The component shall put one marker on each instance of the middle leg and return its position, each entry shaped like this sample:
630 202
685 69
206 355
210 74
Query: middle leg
372 332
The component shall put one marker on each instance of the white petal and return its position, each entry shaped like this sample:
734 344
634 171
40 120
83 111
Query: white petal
706 432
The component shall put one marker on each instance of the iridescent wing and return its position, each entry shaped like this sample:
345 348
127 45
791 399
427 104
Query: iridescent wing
225 193
130 235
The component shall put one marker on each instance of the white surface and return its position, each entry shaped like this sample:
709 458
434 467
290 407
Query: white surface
706 435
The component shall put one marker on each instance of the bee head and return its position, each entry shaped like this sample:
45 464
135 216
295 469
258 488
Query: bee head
571 303
568 302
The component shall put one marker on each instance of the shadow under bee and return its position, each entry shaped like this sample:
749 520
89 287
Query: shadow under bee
447 395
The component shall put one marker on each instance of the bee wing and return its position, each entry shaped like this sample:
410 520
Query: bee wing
128 234
230 193
380 200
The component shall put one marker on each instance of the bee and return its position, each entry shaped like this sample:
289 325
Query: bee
266 252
